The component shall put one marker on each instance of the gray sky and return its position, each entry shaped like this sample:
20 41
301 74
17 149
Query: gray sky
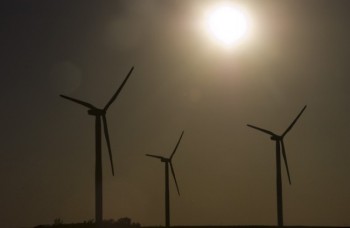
297 53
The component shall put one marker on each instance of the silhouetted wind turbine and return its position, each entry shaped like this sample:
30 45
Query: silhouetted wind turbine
100 113
279 143
167 161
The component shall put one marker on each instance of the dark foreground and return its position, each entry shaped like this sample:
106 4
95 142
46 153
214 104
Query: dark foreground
92 225
126 222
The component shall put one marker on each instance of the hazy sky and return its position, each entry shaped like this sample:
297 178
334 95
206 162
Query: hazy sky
295 53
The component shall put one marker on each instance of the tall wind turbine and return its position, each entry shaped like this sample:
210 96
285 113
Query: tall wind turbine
100 114
279 142
168 162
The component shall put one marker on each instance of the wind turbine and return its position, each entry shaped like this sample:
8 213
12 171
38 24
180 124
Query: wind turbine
100 114
279 142
168 162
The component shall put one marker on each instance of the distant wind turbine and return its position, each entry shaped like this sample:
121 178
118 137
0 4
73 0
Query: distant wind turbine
279 143
167 161
100 113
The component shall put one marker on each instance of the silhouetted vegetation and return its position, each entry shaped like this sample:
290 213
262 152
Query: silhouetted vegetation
124 222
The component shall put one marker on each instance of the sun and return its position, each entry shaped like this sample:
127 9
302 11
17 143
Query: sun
227 24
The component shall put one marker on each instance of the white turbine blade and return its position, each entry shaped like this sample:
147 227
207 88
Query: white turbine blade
177 145
118 91
88 105
295 120
173 172
261 129
105 127
154 156
285 160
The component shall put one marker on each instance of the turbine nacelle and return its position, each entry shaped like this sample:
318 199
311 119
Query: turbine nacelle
165 160
276 137
97 112
162 159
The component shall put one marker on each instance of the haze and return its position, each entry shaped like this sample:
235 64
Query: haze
297 53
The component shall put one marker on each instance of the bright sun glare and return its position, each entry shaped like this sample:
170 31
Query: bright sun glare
227 24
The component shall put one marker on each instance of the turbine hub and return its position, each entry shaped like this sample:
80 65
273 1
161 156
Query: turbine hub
96 112
165 160
275 138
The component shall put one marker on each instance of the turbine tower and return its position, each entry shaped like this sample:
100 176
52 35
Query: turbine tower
279 143
168 161
100 114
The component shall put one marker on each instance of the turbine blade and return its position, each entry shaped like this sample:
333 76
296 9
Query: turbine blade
154 156
178 142
261 129
118 91
295 120
79 102
105 127
285 160
173 172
